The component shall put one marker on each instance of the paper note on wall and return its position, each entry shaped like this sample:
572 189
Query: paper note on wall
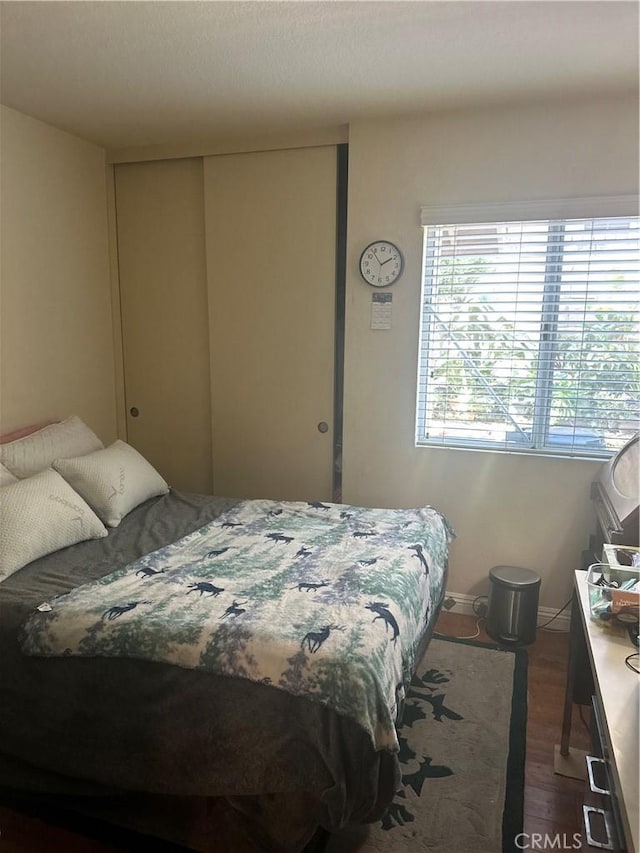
381 310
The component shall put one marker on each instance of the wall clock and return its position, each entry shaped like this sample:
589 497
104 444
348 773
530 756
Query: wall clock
381 263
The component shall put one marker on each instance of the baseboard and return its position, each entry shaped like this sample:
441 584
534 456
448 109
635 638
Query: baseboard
560 623
464 605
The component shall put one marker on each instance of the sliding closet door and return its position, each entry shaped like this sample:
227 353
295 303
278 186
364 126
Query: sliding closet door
161 258
270 238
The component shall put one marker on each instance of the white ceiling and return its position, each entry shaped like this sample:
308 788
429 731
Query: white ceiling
141 73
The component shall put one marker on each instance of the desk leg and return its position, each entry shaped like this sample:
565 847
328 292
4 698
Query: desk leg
578 689
576 639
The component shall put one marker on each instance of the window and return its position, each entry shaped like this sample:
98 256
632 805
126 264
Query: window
530 331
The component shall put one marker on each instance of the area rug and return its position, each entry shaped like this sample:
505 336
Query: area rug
463 742
462 755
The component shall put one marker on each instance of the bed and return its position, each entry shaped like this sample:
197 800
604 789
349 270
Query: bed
256 651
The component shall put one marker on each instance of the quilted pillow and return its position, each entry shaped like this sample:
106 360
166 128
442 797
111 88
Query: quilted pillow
35 452
6 476
39 515
113 481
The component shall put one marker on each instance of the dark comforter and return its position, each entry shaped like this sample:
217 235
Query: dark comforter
100 724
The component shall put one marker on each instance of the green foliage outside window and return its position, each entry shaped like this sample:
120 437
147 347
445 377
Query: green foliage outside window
473 347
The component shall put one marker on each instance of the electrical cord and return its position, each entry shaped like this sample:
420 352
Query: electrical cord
469 637
584 722
481 614
555 616
480 609
629 661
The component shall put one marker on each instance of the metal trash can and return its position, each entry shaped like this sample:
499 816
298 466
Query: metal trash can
512 612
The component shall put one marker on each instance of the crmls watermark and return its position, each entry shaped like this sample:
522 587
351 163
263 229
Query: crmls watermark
540 841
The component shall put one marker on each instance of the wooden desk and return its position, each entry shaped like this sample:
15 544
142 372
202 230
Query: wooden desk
617 690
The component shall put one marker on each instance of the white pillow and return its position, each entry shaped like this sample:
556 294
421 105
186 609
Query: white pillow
39 515
35 452
6 476
113 481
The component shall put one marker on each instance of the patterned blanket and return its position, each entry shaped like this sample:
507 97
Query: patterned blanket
323 600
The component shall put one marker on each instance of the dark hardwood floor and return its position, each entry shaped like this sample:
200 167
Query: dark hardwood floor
552 803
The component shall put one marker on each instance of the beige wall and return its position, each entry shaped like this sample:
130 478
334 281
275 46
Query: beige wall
506 509
56 339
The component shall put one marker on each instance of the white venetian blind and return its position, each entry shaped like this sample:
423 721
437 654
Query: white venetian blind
530 335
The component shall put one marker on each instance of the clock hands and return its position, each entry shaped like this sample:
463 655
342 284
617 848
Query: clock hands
382 263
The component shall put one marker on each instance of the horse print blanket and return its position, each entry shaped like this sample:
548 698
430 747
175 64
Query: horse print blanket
326 601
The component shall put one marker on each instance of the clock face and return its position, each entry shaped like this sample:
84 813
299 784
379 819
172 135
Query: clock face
381 263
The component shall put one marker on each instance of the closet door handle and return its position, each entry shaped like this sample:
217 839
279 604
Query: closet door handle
134 412
323 426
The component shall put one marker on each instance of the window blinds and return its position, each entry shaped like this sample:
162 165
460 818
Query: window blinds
530 335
